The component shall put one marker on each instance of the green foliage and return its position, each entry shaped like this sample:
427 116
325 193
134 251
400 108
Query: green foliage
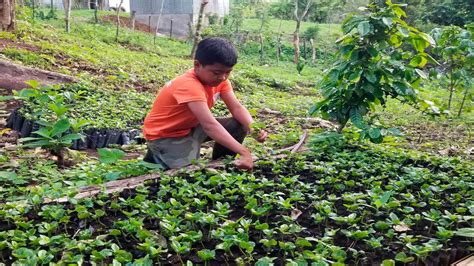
103 108
349 193
373 65
29 58
312 32
110 155
300 65
57 129
450 12
318 12
455 49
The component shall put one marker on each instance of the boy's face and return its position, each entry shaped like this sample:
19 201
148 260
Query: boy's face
212 75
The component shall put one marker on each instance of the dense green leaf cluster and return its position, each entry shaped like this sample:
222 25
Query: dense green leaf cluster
455 49
374 64
102 108
344 204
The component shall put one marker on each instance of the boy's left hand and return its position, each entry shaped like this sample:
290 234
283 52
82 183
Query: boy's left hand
262 136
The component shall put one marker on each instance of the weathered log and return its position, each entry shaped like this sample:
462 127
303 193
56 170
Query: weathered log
133 182
13 76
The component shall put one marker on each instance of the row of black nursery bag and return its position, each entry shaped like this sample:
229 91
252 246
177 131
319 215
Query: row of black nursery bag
95 138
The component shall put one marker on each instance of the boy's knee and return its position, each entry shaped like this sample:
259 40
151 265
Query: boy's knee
236 127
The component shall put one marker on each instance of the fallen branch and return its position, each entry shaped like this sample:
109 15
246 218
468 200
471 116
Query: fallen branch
14 76
301 142
297 146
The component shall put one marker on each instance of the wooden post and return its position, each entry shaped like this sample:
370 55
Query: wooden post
133 19
304 48
34 11
261 47
171 29
149 24
278 54
96 9
313 51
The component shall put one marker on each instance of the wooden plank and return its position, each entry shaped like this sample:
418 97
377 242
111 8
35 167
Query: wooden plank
133 182
466 261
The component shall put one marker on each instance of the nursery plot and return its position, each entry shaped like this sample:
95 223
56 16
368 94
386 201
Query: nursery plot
323 206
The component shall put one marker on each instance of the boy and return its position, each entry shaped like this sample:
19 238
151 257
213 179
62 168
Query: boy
181 120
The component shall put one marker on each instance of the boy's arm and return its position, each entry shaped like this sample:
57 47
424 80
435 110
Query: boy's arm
238 111
218 133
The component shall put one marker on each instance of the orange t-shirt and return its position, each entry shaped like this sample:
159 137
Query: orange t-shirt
170 116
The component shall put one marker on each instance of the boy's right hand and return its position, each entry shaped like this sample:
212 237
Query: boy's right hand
245 161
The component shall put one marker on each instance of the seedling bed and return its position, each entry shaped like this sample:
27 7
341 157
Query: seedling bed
354 205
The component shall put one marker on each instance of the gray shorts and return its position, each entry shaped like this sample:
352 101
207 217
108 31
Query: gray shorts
182 151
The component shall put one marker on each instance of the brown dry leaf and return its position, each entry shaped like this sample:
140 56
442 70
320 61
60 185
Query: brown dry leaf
401 227
295 213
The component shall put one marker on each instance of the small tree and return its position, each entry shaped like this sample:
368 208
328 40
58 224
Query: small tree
455 49
118 20
373 65
296 34
197 33
57 131
67 4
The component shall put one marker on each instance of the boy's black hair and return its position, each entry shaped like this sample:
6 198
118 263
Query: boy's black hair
216 50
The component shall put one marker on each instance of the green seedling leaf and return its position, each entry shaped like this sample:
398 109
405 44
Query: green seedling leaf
388 263
60 127
206 254
364 28
110 156
33 83
402 257
24 253
465 232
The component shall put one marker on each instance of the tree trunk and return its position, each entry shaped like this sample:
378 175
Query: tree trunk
118 20
60 154
67 13
296 42
278 54
313 51
197 34
466 92
451 88
296 34
7 15
261 48
133 19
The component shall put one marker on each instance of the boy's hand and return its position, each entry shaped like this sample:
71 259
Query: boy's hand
245 161
257 131
262 136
